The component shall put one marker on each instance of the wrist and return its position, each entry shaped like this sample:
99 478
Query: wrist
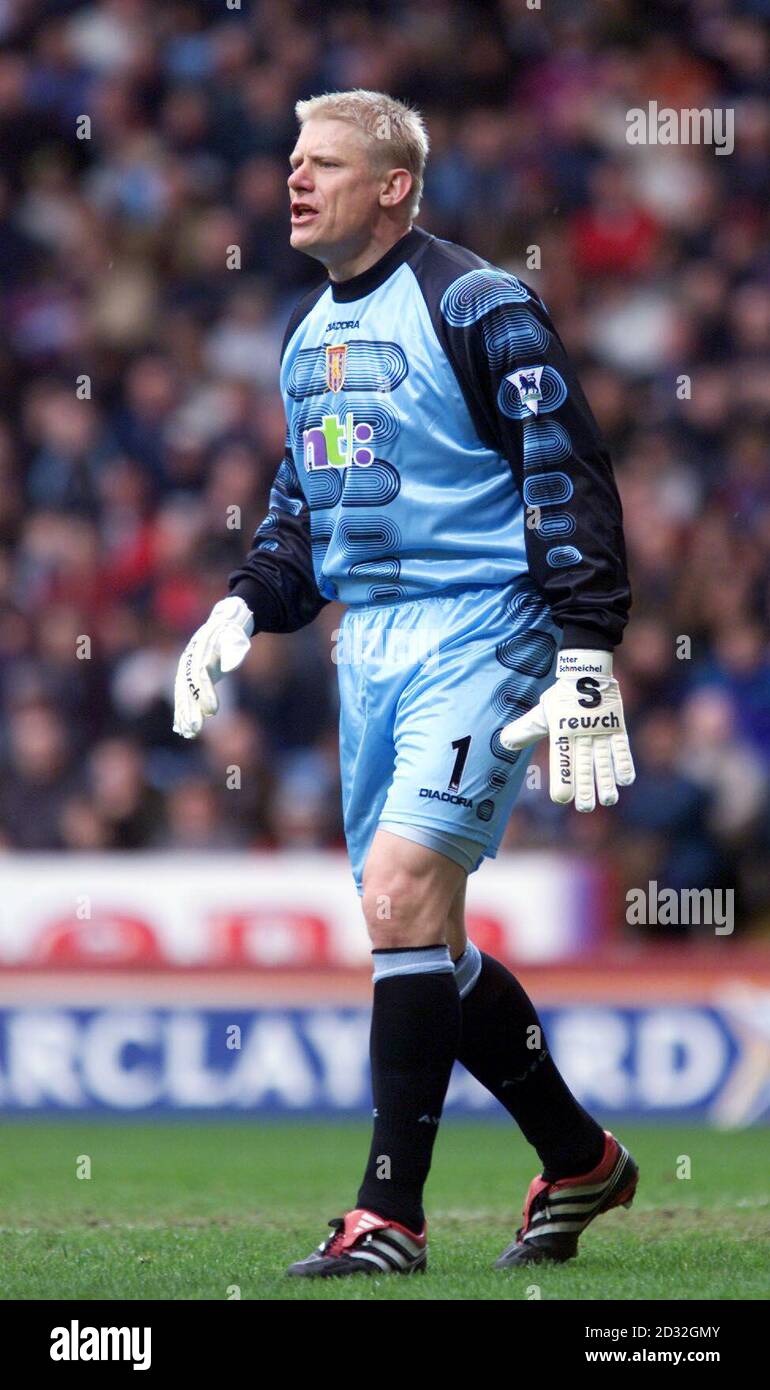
595 639
235 610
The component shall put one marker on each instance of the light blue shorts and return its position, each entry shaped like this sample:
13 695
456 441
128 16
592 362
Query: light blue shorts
426 686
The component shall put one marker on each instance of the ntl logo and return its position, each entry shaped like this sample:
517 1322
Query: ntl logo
337 443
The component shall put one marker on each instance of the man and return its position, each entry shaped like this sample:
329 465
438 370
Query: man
445 479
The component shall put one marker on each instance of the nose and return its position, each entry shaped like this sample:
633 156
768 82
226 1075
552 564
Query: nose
299 179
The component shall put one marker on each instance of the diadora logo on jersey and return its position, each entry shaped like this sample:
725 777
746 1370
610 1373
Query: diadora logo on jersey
339 325
527 383
453 800
337 443
336 359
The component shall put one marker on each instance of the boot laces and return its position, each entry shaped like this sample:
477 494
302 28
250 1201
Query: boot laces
333 1243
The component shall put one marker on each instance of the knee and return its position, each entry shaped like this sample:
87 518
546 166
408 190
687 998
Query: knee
397 909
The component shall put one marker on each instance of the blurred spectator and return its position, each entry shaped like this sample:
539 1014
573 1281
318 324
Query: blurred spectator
131 811
195 821
37 780
668 816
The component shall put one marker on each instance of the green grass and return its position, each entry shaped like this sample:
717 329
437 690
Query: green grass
184 1211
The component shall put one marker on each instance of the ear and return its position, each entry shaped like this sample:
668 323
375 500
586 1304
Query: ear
396 188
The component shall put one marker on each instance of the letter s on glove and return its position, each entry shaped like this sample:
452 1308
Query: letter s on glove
217 647
582 716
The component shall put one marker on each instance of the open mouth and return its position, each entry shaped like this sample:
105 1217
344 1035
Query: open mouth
302 213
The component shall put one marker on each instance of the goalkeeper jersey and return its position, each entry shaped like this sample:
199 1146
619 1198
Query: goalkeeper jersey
437 439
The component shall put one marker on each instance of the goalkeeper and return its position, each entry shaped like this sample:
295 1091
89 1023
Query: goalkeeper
445 479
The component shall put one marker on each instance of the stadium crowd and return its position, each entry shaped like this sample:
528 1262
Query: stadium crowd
142 424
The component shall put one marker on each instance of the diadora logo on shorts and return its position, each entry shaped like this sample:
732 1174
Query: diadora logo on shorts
451 797
337 442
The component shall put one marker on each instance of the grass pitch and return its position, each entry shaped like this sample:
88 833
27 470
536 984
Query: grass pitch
192 1211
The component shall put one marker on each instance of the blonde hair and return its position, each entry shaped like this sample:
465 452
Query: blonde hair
394 129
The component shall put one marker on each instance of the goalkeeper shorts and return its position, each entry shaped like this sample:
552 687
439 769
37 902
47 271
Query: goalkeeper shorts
426 685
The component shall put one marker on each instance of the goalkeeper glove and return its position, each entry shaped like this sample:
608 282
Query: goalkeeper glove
582 714
219 646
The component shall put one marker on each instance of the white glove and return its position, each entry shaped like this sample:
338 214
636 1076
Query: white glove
219 646
582 714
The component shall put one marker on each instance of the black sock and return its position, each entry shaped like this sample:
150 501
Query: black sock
415 1032
498 1020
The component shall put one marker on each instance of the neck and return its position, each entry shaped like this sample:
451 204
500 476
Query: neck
355 263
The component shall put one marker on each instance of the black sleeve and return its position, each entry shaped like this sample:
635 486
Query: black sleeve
277 579
505 350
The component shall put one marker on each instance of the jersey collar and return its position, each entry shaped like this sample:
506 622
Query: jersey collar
346 291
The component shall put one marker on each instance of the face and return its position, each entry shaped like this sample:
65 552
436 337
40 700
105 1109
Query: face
335 194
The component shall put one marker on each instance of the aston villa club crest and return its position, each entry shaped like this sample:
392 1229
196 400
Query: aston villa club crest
336 357
527 383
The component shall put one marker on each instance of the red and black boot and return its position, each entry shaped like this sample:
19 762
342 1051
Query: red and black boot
557 1213
364 1243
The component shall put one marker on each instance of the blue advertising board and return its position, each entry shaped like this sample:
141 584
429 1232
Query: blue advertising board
658 1060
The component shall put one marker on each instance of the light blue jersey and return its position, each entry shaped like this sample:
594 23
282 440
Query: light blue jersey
437 437
404 497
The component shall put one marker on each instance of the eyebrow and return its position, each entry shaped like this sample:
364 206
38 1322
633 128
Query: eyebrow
294 158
